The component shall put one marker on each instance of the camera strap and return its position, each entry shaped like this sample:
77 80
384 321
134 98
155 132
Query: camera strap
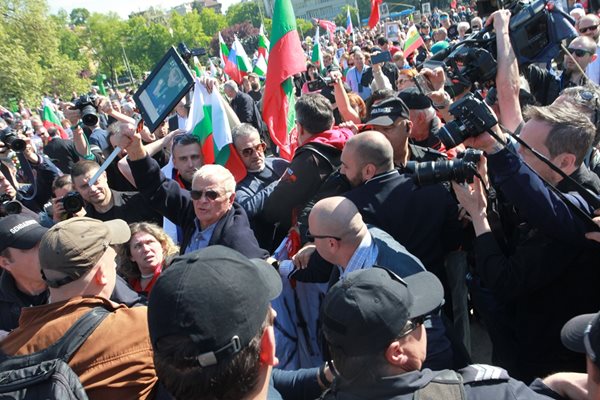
29 175
589 197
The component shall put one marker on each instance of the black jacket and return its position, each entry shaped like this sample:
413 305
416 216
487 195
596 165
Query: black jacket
166 197
424 219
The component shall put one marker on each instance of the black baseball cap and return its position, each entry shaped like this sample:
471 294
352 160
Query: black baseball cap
387 111
20 232
215 296
581 334
414 99
367 310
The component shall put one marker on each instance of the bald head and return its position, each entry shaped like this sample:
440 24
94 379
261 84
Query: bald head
372 147
588 26
339 217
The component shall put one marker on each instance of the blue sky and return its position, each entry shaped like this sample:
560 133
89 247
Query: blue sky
121 7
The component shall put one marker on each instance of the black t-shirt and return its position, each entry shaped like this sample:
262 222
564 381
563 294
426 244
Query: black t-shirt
62 153
452 32
128 206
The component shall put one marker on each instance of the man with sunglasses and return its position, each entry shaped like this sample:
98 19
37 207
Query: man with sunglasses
373 326
263 174
342 243
546 85
589 25
207 214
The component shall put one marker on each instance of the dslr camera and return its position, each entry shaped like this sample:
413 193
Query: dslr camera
10 139
462 169
72 202
87 105
472 118
9 206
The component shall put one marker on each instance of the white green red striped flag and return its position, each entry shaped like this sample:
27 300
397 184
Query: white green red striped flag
413 41
317 54
263 43
223 51
50 120
260 68
208 121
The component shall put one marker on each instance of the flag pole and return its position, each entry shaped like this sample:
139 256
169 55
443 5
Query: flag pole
357 13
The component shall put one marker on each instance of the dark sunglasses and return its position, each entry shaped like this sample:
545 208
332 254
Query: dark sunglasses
588 28
210 194
248 151
580 52
312 237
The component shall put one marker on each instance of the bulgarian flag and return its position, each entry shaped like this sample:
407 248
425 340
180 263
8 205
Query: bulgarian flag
374 17
223 51
196 63
50 120
208 121
349 28
260 68
413 41
317 54
263 43
286 58
242 60
213 69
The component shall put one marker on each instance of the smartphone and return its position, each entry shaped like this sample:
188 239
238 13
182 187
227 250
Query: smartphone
423 84
173 123
381 57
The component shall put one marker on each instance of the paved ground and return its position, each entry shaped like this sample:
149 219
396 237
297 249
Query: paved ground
481 346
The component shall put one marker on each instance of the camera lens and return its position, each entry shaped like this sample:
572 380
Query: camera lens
89 115
18 145
10 207
451 135
72 202
427 173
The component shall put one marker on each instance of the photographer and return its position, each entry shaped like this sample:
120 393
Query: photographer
62 188
549 275
34 194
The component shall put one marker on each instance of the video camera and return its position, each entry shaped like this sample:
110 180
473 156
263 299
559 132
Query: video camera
462 169
319 83
537 28
87 105
187 54
10 139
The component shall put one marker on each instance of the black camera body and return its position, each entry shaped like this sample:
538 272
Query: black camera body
319 83
87 105
10 139
187 53
9 206
472 118
462 169
72 202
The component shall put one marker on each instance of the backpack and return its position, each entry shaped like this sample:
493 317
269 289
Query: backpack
45 374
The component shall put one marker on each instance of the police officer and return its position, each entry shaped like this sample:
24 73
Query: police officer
373 324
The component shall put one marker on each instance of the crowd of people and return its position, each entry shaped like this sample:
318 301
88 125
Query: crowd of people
353 270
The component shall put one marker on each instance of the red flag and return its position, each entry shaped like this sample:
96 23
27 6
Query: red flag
374 17
286 58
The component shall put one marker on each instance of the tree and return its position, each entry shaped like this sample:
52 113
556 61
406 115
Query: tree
340 19
79 16
104 37
212 22
305 27
188 29
244 12
242 31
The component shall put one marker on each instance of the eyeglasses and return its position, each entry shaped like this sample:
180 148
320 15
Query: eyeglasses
259 148
586 342
412 324
580 52
312 237
210 194
588 28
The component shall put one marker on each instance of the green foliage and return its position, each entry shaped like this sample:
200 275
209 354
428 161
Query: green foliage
79 16
364 9
304 26
104 36
212 22
340 19
244 12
